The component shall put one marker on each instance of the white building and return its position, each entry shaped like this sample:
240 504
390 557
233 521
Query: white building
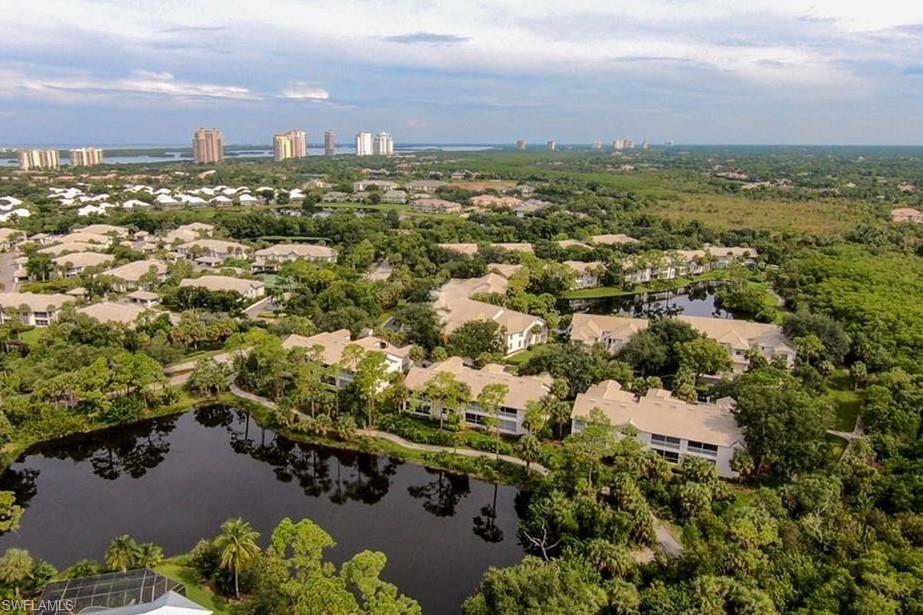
521 390
383 144
37 310
670 426
332 344
364 144
249 289
269 259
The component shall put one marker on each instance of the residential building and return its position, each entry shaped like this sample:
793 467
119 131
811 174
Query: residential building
330 143
38 159
507 270
613 239
364 144
383 144
107 312
383 185
214 248
520 145
76 263
524 248
35 309
520 330
271 258
468 287
521 390
189 232
104 229
394 197
672 427
587 275
331 346
491 200
620 144
429 186
86 157
138 274
144 298
10 237
597 145
613 332
73 246
436 206
465 249
291 144
248 289
207 146
551 145
677 263
740 337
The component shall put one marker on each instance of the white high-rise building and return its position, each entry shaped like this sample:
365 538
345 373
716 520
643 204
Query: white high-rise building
551 145
38 159
86 157
364 144
207 146
383 145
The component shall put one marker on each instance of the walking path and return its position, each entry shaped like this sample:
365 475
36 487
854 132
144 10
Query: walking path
395 439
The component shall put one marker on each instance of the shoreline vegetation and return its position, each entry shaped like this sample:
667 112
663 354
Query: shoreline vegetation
475 464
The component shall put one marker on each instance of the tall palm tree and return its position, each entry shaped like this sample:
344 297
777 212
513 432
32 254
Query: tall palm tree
122 553
238 548
15 567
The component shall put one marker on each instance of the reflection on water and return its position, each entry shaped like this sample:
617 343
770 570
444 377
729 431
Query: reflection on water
174 480
697 300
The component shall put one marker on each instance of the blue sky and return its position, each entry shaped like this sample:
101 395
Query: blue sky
702 71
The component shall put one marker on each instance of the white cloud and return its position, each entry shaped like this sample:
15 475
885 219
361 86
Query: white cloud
299 90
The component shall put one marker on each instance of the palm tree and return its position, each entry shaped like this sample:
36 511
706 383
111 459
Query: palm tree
149 555
237 543
122 553
15 567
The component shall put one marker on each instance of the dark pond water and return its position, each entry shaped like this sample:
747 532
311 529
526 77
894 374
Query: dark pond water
175 480
693 301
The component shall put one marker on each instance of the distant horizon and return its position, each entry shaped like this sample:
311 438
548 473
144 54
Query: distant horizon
536 145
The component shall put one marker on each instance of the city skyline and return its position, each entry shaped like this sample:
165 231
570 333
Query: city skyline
706 73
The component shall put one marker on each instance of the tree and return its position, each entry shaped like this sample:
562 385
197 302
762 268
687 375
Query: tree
419 324
16 568
149 555
239 550
209 377
122 553
489 400
10 512
859 374
530 450
652 352
703 355
809 347
783 423
446 391
370 379
476 338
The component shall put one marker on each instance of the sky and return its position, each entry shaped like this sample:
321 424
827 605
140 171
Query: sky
697 71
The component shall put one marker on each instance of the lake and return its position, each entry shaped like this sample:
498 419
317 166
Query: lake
697 300
174 480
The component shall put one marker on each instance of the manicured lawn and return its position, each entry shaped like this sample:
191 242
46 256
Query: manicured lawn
195 592
519 358
846 402
33 336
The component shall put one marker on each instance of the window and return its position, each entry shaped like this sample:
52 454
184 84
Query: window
477 419
702 448
664 441
671 456
508 411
